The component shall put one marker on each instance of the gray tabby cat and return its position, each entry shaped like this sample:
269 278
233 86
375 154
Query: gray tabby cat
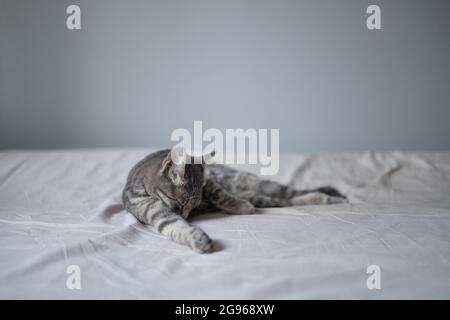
163 193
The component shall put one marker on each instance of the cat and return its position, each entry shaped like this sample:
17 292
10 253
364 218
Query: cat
163 192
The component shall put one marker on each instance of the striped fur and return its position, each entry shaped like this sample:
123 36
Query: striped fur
163 194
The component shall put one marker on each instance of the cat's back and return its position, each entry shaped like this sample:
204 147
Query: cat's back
228 177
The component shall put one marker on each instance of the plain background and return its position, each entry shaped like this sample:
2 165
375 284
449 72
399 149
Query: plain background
138 69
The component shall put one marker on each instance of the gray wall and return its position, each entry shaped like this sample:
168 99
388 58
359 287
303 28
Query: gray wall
139 69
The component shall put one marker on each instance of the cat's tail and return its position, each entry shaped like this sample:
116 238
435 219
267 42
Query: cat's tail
329 191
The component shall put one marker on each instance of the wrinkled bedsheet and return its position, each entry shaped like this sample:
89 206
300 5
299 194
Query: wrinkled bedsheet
62 208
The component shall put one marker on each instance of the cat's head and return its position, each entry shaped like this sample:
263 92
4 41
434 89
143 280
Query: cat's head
182 180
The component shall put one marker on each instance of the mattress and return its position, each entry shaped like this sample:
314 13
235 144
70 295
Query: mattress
62 208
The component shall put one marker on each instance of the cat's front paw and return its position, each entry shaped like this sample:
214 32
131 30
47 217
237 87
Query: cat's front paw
200 242
244 207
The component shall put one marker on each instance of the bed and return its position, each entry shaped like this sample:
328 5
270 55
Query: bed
62 208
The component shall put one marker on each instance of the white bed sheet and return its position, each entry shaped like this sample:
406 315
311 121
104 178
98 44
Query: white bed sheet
61 208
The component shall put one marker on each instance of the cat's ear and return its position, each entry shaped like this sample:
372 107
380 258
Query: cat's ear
174 165
207 158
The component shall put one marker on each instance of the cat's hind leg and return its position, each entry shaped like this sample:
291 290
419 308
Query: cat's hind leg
273 194
263 201
314 198
265 193
226 201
